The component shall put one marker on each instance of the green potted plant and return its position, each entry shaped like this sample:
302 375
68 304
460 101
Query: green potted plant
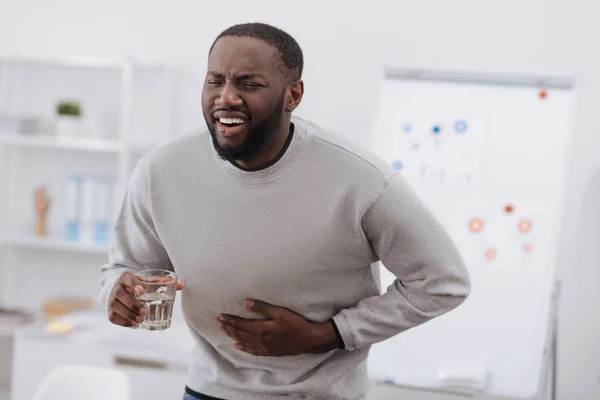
68 118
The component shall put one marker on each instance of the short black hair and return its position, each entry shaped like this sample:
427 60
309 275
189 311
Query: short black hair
288 50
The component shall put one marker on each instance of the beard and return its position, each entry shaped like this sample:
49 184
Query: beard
257 137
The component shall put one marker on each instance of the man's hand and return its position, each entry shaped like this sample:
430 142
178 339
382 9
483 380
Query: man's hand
123 308
283 333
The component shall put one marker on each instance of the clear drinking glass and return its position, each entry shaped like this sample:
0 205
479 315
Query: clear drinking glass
160 286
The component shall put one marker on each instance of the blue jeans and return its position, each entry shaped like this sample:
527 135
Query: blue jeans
187 396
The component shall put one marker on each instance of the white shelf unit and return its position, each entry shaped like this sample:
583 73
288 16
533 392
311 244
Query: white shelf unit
33 268
54 244
66 143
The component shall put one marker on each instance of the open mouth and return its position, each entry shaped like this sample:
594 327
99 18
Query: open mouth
231 126
231 122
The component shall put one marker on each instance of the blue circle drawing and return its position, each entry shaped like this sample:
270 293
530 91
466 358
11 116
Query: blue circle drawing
437 130
397 165
460 126
407 128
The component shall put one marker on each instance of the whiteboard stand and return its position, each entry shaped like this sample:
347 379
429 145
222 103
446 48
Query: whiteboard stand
552 348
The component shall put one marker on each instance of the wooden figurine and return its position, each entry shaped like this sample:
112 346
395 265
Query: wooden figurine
42 204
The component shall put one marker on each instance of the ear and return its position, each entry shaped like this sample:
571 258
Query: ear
294 95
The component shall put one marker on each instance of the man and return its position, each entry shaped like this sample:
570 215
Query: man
275 227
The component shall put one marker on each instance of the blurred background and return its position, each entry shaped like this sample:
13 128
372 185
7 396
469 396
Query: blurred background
87 87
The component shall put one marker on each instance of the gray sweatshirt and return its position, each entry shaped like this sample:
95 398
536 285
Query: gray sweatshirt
305 233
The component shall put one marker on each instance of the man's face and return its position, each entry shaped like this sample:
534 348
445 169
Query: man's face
243 96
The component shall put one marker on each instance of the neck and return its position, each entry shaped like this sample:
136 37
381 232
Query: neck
274 147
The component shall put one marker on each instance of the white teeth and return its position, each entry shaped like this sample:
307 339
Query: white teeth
232 120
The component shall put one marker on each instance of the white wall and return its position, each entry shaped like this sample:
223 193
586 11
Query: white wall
345 44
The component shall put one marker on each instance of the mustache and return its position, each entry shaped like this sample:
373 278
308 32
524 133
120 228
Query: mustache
232 109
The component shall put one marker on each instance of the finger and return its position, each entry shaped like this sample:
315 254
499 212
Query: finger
128 281
180 285
229 332
122 310
266 309
236 334
136 308
257 327
118 319
127 294
124 295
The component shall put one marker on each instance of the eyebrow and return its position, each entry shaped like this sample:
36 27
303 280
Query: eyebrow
216 74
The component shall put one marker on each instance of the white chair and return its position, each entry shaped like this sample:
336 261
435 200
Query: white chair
84 382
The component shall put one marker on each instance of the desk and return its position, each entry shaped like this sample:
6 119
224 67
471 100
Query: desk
155 362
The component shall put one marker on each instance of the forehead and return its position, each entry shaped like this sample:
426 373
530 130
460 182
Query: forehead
232 55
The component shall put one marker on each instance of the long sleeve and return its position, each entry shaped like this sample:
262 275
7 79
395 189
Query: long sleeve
136 244
431 276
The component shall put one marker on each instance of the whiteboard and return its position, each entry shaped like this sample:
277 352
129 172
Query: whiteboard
487 155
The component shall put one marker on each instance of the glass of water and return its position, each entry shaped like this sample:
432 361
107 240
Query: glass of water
160 286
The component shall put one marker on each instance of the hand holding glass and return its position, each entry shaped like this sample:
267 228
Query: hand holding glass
158 295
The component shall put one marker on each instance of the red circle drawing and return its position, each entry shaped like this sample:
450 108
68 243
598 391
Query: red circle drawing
524 226
476 225
543 94
491 254
509 208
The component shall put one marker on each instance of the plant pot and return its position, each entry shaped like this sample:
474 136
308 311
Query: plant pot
68 126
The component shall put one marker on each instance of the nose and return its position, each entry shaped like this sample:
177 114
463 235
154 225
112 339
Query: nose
229 96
